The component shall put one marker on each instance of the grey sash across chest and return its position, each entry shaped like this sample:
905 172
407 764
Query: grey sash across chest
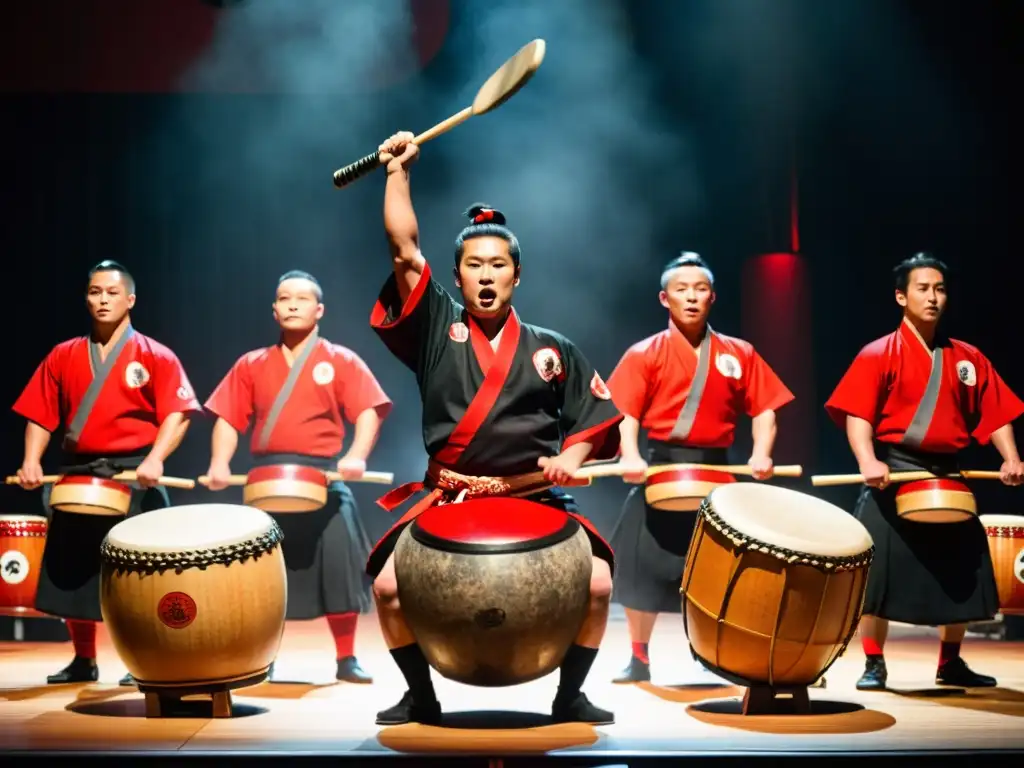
918 428
286 390
100 372
684 423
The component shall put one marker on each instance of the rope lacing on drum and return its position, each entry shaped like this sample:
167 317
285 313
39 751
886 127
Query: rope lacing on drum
821 562
150 562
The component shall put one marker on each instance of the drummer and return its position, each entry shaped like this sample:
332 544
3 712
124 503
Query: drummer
687 386
124 402
912 400
299 393
505 406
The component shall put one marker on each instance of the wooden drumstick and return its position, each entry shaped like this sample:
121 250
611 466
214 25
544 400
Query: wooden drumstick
617 469
499 88
902 477
380 478
128 477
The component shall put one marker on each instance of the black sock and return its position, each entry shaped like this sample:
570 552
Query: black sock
416 670
574 671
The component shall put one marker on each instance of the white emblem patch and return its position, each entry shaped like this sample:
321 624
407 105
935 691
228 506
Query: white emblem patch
184 393
13 567
458 332
728 366
323 373
598 388
966 373
548 364
1018 566
136 375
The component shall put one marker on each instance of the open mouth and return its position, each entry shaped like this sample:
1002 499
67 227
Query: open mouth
487 296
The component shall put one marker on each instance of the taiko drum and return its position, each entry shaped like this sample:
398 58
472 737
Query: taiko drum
936 500
495 590
286 488
679 488
774 584
194 597
22 541
1006 543
89 495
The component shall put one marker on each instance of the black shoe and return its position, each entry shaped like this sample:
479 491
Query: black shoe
80 670
874 676
580 710
350 671
127 680
956 672
405 711
635 672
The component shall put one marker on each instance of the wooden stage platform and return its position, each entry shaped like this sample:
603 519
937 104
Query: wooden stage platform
678 716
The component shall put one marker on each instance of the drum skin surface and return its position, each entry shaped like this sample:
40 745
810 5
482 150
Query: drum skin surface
195 596
681 488
89 495
285 488
494 590
22 541
935 500
761 609
1006 544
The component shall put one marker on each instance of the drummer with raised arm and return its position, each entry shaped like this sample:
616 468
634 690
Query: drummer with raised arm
687 386
300 392
912 400
124 402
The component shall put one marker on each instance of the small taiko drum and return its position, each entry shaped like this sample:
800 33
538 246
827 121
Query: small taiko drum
285 488
774 584
89 495
936 500
681 488
1006 543
495 590
194 597
22 541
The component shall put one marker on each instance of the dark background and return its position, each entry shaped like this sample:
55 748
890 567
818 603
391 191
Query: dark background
195 144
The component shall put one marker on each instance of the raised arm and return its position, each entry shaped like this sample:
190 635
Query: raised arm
397 154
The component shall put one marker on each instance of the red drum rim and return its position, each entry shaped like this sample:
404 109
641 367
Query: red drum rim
101 482
499 525
690 474
298 472
932 484
23 527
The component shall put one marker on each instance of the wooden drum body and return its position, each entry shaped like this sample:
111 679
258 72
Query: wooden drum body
679 488
194 597
774 584
495 590
22 541
286 488
1006 543
937 500
89 495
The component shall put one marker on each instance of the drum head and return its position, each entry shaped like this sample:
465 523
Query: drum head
790 520
997 521
492 526
189 528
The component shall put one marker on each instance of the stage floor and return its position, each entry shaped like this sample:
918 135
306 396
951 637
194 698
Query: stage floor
666 717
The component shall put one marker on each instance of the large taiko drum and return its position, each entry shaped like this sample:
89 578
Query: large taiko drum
935 500
90 495
194 597
682 488
285 488
22 541
774 584
495 590
1006 543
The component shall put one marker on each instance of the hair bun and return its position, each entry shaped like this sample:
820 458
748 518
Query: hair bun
482 213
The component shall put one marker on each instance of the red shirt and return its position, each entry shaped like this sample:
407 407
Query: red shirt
146 385
334 382
655 377
887 381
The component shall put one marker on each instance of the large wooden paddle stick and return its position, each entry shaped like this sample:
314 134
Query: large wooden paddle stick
903 477
617 469
499 88
127 477
380 478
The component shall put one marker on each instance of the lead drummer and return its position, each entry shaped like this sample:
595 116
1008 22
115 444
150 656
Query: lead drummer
687 386
124 402
300 392
507 407
913 400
